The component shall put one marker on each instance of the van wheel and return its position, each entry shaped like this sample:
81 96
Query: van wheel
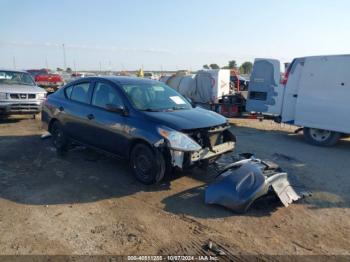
320 137
59 139
147 165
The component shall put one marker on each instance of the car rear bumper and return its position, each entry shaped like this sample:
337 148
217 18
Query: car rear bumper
20 107
49 84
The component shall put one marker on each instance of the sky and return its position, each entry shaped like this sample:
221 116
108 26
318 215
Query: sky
167 34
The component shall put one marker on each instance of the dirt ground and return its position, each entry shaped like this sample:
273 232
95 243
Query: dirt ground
89 203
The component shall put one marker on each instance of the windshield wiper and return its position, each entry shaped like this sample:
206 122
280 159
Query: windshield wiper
150 110
179 107
164 109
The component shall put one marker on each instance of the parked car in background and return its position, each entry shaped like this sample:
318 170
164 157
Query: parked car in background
67 77
77 75
46 79
19 94
243 82
142 120
150 75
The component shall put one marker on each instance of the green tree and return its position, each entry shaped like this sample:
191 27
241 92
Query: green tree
232 64
205 66
214 66
246 68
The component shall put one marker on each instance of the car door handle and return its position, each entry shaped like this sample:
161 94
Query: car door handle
295 95
90 116
61 108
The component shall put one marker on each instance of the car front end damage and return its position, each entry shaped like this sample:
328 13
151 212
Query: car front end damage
196 146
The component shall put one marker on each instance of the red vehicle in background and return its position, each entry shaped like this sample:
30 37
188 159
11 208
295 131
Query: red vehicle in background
46 79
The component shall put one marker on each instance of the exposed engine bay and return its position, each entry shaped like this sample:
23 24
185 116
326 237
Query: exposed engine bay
214 142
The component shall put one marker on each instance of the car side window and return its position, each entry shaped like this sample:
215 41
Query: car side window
80 92
68 91
105 94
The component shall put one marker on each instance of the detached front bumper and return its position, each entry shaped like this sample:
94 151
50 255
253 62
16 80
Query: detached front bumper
20 107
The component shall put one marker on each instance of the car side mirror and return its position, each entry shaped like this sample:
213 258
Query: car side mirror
117 109
193 104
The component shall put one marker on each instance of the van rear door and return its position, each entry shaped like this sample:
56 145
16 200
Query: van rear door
291 93
265 91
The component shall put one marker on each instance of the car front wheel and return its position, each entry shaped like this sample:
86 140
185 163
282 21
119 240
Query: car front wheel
320 137
147 165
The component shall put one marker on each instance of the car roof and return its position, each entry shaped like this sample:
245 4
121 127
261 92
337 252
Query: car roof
13 70
121 80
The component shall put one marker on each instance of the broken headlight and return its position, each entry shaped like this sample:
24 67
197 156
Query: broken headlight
177 140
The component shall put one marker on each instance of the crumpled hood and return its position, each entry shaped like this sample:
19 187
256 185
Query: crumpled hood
21 89
187 119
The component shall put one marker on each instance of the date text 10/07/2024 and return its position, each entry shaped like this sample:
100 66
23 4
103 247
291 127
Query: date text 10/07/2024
173 258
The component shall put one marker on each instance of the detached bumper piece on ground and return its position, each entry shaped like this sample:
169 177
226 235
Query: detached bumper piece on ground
239 184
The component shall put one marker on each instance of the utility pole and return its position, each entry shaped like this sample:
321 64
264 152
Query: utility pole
64 58
100 67
14 62
46 63
75 68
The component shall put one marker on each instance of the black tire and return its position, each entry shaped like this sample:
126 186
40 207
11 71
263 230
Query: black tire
59 139
319 137
147 165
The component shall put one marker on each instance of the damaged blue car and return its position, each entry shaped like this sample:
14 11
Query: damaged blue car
145 121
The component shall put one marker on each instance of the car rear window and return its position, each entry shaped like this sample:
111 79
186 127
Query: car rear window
80 92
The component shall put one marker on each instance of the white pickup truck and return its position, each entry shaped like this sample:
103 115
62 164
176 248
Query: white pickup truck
314 94
19 94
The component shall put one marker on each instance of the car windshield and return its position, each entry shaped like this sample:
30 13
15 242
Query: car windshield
155 97
15 78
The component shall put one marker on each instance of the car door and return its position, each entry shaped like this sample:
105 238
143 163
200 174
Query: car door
108 127
74 113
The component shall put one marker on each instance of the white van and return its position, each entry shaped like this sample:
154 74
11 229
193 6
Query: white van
314 94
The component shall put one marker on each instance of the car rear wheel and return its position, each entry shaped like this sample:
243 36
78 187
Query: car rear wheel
59 139
320 137
147 165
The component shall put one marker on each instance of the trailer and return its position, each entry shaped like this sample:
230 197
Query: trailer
313 94
210 89
206 86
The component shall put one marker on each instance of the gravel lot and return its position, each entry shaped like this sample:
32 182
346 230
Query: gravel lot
89 203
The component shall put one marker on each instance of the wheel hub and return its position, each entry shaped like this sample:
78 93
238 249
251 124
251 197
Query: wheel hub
143 164
319 134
